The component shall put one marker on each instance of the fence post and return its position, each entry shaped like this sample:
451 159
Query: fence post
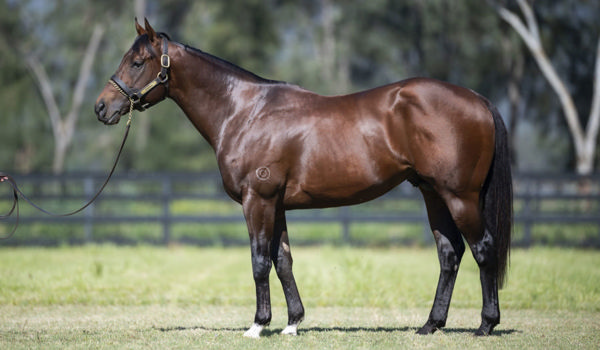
166 214
598 221
345 221
88 226
526 215
531 198
427 234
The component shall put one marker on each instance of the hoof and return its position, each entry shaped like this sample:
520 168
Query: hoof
484 331
290 330
254 331
429 328
426 330
486 328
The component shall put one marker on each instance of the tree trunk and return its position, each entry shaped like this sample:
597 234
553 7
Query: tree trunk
515 63
584 140
328 45
143 124
63 129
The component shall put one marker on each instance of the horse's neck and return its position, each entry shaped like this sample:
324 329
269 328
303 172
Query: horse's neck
208 91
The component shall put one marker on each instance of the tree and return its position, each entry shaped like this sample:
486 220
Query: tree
56 50
585 140
63 128
16 152
328 46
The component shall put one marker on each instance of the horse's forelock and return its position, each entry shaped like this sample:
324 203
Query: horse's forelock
139 42
143 41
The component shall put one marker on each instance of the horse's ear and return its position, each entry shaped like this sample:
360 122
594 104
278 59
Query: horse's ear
149 30
140 30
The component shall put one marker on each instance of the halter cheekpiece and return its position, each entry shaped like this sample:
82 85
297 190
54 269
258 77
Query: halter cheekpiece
136 97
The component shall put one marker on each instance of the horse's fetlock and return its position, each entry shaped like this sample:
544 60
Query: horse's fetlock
263 318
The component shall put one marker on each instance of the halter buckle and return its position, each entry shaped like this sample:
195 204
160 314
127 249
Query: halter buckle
165 61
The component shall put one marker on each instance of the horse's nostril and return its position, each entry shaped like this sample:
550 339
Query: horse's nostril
100 109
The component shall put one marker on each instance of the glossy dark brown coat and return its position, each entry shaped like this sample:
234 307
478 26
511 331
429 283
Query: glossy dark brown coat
281 147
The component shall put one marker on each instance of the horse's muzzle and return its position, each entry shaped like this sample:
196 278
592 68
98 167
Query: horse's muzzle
101 112
100 109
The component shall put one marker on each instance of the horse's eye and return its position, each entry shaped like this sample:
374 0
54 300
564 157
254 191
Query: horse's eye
138 63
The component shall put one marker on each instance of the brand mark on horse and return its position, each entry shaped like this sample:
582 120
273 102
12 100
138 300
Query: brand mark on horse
263 173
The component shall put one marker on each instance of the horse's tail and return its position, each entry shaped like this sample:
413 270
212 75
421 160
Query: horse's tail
497 195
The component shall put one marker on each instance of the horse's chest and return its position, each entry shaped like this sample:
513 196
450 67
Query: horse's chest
232 179
240 172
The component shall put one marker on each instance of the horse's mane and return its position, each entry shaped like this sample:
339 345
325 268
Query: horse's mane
229 66
143 40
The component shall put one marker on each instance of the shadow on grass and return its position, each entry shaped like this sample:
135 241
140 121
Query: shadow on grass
199 328
270 332
396 329
495 333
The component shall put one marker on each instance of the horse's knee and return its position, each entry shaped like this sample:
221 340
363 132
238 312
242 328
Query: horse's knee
484 251
283 267
261 267
282 260
449 252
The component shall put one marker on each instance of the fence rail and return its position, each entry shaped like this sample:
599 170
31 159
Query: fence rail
558 209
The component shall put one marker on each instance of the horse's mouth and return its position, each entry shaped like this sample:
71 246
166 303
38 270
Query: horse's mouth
114 119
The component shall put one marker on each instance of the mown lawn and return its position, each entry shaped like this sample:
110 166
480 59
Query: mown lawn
187 297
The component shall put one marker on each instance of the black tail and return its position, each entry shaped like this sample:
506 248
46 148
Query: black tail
497 196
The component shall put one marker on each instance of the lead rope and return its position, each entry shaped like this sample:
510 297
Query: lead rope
5 178
116 86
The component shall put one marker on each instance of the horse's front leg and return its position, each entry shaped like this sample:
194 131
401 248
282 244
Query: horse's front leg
282 258
260 218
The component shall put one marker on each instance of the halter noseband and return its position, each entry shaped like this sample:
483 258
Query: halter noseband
136 97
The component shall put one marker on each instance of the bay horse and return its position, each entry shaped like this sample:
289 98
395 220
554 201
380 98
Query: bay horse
280 147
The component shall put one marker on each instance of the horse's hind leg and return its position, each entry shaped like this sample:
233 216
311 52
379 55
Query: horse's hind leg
468 218
450 248
282 259
484 252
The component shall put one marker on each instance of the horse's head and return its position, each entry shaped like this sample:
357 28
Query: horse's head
143 68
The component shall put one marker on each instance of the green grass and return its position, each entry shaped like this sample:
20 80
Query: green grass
187 297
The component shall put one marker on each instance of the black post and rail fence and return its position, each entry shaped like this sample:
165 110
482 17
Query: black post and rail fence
192 208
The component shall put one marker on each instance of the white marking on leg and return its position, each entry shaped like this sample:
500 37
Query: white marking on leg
291 329
254 331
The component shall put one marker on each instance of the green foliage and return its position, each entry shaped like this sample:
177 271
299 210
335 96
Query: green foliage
240 31
331 47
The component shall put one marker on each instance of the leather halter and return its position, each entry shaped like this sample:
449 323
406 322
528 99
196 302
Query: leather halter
136 97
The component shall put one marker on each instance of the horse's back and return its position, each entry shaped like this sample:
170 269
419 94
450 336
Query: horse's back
361 145
348 149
